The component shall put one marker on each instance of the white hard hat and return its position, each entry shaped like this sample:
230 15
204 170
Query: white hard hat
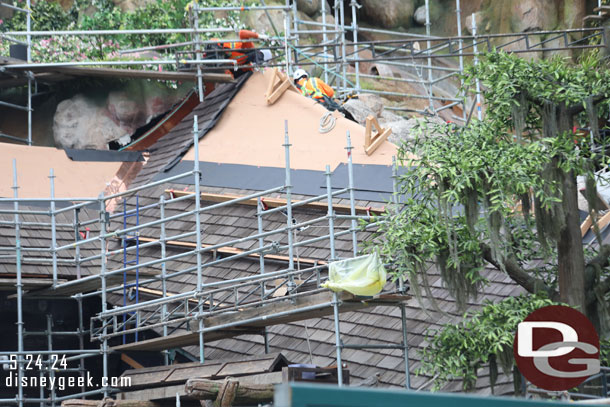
298 74
266 55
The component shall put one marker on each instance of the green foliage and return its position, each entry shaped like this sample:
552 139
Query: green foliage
457 351
492 193
161 14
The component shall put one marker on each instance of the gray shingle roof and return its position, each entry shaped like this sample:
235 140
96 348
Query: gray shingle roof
313 340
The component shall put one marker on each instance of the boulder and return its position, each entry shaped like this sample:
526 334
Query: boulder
131 5
533 15
373 102
402 130
436 11
125 110
259 22
80 122
309 7
387 116
66 4
468 22
389 13
556 43
420 15
359 110
92 122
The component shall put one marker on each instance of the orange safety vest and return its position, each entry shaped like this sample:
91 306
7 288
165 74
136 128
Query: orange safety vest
314 88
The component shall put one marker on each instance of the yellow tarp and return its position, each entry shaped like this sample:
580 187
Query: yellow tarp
363 275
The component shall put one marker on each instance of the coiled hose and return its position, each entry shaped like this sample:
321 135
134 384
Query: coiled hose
327 123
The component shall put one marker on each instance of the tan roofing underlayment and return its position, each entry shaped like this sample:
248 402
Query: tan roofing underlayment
251 132
72 178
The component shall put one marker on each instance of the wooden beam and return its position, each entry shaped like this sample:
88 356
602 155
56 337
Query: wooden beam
233 251
586 224
276 202
372 142
278 84
131 362
229 391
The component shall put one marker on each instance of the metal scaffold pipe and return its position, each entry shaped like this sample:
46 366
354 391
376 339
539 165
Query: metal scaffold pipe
112 63
120 32
336 301
197 180
354 27
53 227
162 237
352 205
19 286
288 186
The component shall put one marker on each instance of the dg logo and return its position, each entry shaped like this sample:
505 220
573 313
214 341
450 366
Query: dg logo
556 348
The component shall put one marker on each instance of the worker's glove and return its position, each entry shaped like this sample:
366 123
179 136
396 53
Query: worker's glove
263 37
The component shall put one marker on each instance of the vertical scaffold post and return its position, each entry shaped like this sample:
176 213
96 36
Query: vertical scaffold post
333 257
336 39
81 340
401 283
458 13
343 57
261 259
295 26
324 39
428 45
198 50
49 333
476 62
288 57
162 238
103 229
288 186
197 175
53 227
352 203
76 239
19 286
29 60
355 5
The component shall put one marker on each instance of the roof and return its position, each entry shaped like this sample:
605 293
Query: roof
72 178
236 126
172 146
311 341
252 132
50 73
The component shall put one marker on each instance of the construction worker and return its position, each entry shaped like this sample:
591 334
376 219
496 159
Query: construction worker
319 91
244 52
314 88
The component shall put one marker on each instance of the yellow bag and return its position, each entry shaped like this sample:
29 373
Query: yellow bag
363 275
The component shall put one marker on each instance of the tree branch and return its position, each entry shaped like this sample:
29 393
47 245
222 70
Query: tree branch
598 262
578 107
519 275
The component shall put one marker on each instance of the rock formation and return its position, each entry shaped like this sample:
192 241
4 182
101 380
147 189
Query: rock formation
92 122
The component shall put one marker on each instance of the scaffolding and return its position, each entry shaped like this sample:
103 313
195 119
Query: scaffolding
207 312
426 62
186 318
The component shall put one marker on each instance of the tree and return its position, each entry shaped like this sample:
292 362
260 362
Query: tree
503 192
